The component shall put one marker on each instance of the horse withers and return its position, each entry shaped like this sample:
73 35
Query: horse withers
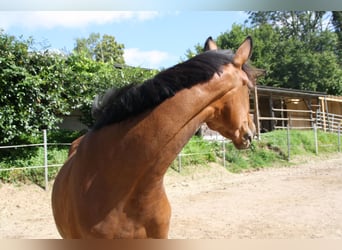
111 185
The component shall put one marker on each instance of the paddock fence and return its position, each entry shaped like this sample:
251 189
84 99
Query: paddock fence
329 122
46 164
316 120
306 120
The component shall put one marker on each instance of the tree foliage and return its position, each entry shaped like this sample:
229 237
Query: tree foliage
297 49
337 24
89 78
29 86
104 49
38 88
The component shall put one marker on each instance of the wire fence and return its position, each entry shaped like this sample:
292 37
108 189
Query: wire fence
290 135
218 149
45 166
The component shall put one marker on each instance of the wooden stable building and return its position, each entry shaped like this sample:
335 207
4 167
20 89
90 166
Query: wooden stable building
276 108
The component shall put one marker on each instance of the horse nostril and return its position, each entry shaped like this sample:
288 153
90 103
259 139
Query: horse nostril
248 137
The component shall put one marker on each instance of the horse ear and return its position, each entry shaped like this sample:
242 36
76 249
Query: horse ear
244 52
210 44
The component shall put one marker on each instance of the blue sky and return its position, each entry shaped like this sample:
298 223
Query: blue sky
152 39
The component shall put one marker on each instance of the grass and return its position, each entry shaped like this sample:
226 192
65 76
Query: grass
56 155
17 158
271 150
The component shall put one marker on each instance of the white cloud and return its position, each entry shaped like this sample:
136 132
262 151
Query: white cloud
152 59
69 19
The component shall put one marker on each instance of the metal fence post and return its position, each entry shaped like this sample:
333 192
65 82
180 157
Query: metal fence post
316 141
224 153
45 160
288 139
179 162
339 137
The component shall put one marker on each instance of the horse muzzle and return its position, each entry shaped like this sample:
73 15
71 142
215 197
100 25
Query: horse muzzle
246 138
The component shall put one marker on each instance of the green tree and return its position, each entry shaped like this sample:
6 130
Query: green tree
233 38
298 49
299 68
85 78
104 49
38 88
293 23
29 89
337 23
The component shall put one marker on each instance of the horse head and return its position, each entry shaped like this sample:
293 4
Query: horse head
231 116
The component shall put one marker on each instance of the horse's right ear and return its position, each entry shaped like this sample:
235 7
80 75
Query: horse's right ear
244 52
210 44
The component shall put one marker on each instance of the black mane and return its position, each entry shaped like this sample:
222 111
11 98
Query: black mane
119 104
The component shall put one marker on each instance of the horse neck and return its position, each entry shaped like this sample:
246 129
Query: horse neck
151 141
174 122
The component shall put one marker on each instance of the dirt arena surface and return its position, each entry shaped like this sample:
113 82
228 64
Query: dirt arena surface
298 202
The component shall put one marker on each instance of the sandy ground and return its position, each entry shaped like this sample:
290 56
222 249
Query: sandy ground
298 202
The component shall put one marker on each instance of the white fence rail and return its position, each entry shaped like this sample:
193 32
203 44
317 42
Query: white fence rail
329 122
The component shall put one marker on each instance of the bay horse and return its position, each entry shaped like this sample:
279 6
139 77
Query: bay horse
111 185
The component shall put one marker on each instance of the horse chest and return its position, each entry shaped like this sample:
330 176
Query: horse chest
117 225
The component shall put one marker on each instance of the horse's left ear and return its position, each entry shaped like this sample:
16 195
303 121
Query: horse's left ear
210 44
244 52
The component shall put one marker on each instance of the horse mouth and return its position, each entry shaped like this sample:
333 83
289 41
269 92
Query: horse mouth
245 142
244 145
